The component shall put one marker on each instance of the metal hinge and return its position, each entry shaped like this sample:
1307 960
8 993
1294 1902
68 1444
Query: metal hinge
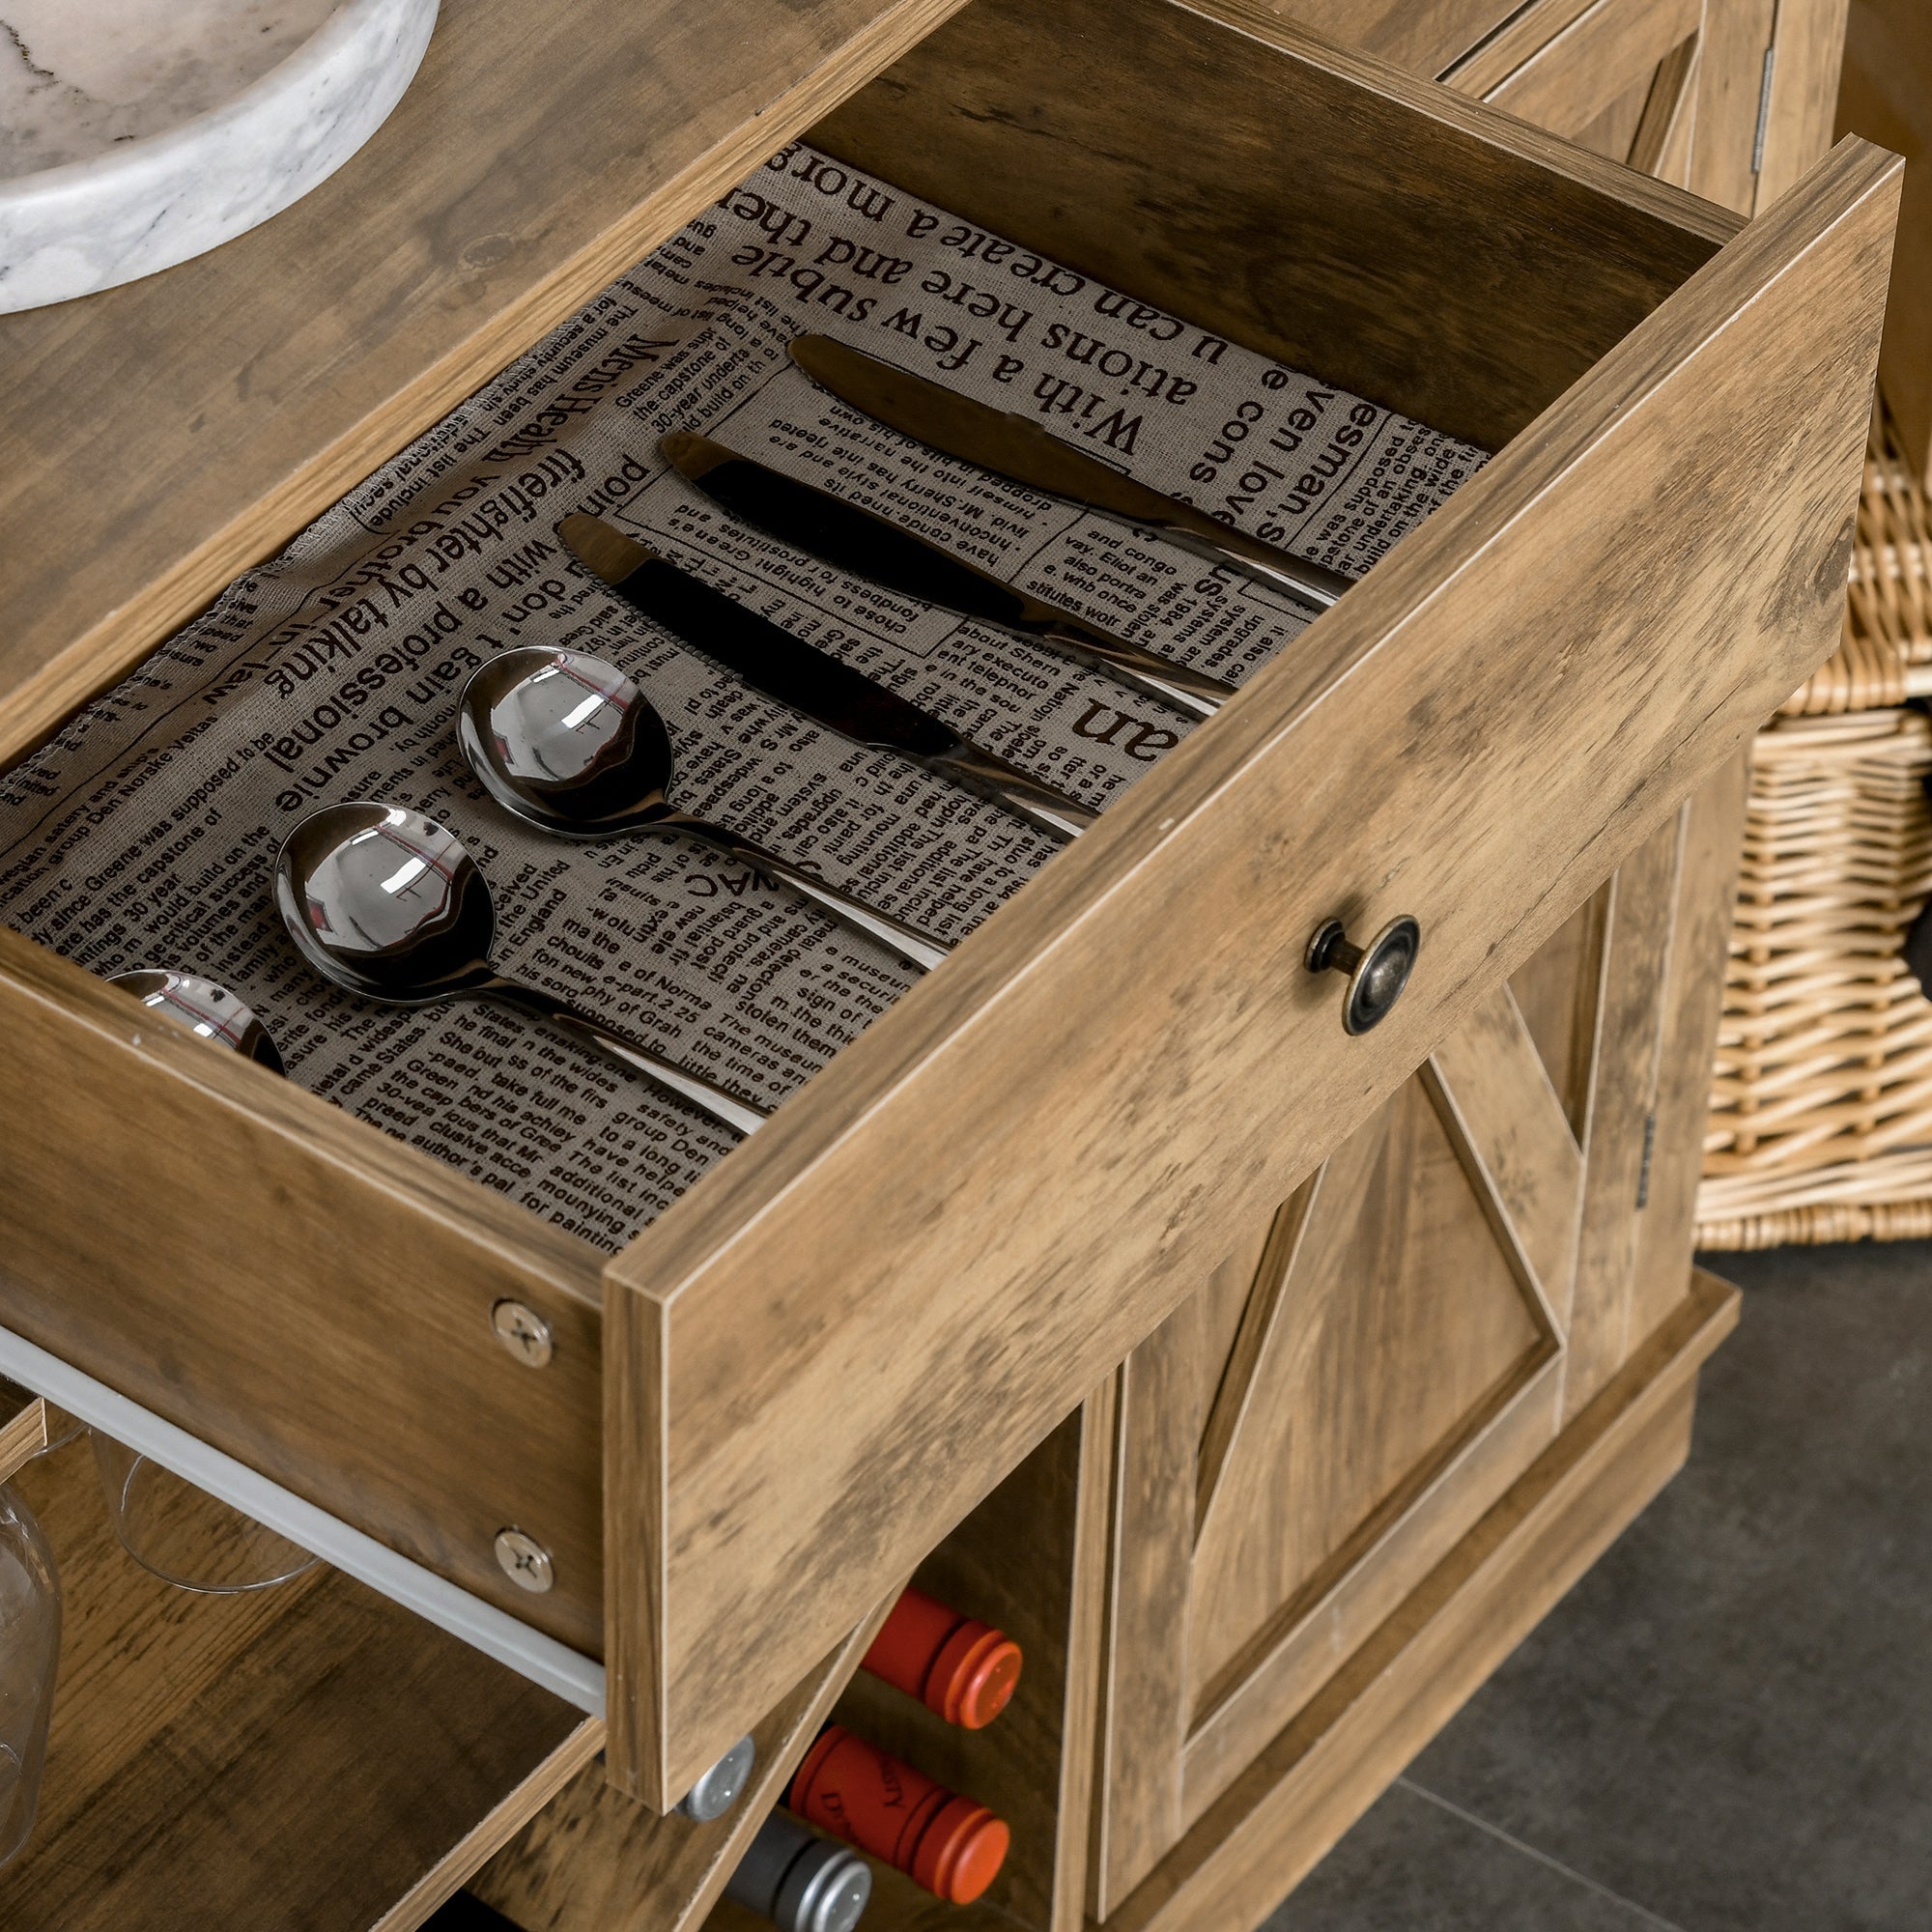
1763 109
1649 1147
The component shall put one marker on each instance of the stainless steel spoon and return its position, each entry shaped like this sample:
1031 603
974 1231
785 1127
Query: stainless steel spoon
385 902
570 744
203 1008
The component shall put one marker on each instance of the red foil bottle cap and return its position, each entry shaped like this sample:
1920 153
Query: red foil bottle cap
959 1667
961 1851
975 1676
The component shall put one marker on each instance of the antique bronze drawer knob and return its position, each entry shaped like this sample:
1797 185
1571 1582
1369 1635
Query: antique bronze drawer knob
1377 971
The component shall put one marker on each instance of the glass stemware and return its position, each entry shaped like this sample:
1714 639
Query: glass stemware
30 1622
185 1536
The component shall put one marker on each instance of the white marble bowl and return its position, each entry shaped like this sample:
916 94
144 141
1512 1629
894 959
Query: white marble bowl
136 133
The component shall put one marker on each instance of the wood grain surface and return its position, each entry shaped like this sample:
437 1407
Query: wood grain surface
1232 1372
1609 49
1887 97
1144 1668
852 1328
1422 37
1521 36
23 1428
1489 1080
1618 1130
1801 110
1663 129
1411 1675
1555 991
1450 263
301 1291
163 436
1693 1005
1405 1386
308 1756
1731 83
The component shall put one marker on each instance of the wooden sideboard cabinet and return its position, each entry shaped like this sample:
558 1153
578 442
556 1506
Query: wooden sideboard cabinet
1302 1370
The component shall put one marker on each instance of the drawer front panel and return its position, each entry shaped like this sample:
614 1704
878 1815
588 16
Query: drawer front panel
831 1348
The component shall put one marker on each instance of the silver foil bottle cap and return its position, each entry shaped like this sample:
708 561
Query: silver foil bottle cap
800 1881
717 1789
826 1889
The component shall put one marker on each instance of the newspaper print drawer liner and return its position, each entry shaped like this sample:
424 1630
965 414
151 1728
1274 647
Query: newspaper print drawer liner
146 833
824 1350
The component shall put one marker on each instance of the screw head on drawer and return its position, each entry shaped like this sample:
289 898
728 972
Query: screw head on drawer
524 1561
522 1331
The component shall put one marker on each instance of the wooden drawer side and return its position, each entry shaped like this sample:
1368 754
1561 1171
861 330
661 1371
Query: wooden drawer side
302 1293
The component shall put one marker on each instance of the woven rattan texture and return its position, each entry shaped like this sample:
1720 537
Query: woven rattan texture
1821 1114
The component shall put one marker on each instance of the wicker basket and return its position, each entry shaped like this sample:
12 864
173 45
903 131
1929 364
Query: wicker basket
1821 1113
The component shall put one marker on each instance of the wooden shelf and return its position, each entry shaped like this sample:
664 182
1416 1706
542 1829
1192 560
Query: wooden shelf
162 437
23 1428
308 1757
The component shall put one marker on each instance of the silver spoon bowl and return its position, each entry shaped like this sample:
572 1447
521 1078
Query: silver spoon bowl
383 901
569 744
204 1007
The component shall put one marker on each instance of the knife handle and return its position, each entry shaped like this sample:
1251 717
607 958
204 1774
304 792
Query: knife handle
1027 798
915 948
1193 692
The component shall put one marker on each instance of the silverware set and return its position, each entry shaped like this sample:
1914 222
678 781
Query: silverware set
830 693
864 545
570 744
385 902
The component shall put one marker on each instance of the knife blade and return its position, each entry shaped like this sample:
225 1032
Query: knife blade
865 545
798 675
1020 449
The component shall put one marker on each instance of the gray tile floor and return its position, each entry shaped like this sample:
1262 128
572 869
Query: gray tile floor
1727 1727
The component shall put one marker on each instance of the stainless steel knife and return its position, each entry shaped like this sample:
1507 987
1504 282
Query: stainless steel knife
1020 449
832 694
865 545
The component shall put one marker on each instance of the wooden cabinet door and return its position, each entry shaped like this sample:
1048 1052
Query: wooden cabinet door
1732 98
1303 1441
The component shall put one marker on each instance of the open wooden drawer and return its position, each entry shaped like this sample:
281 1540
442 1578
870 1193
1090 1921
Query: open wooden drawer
758 1417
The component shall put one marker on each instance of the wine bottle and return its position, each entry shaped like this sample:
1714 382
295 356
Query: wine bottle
954 1665
949 1844
801 1882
